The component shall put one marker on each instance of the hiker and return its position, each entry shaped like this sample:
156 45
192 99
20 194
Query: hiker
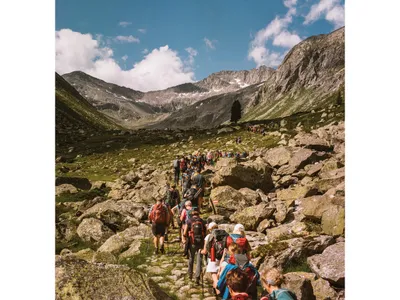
200 182
271 280
237 282
171 200
238 237
159 218
214 246
237 260
193 195
177 169
184 216
195 232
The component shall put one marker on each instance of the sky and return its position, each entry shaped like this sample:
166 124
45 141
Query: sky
152 45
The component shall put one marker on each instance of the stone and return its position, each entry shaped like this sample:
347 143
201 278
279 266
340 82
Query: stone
300 158
251 216
314 207
281 211
104 257
91 229
287 231
99 281
333 220
65 189
224 130
314 169
264 225
322 290
312 142
291 194
330 264
300 284
278 156
134 249
78 182
250 196
217 219
86 254
229 198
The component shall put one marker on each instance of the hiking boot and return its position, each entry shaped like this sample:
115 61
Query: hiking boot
156 251
162 250
198 281
190 276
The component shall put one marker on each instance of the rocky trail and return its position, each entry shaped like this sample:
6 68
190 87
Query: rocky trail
289 195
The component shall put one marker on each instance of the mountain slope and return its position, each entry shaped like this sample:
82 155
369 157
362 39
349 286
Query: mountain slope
75 115
309 77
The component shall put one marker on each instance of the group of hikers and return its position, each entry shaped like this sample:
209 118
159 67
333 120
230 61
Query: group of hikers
227 256
256 129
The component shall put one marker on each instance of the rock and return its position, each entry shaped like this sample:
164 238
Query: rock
250 196
294 193
104 257
65 251
332 221
116 243
228 198
314 169
91 229
264 225
299 159
134 249
98 281
251 216
224 130
312 142
78 182
314 207
287 231
300 284
253 175
61 159
98 185
281 211
217 219
65 189
330 264
86 254
323 290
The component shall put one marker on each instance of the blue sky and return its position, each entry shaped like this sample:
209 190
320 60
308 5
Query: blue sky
202 36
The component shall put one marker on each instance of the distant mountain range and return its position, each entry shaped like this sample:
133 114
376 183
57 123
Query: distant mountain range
309 77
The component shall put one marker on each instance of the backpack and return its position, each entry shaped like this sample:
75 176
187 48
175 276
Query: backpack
176 163
240 241
218 241
191 196
159 214
196 233
276 293
182 165
189 214
242 262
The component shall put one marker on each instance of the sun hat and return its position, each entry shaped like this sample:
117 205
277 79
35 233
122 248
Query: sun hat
211 225
238 228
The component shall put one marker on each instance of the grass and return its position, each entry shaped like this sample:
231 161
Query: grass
81 195
298 265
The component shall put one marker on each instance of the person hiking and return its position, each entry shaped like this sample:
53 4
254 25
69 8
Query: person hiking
182 165
184 216
195 232
200 182
237 282
271 280
239 261
171 200
159 218
177 169
214 246
238 237
192 195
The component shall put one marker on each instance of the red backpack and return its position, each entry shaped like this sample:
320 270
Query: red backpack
196 233
240 241
159 214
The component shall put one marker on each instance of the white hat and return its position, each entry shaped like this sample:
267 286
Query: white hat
238 228
211 225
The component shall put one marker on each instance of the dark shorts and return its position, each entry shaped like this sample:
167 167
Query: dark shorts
158 229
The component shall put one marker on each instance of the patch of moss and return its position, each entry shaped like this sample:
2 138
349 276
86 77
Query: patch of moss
297 265
82 195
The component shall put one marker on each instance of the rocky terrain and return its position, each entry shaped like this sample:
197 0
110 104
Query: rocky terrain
289 193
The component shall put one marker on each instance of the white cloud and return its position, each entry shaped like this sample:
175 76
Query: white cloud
159 69
286 39
127 39
209 44
142 30
192 53
331 10
125 57
145 51
124 23
277 31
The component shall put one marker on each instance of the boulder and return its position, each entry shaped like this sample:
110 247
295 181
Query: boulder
330 264
86 254
229 198
251 216
300 284
253 175
91 229
281 211
311 141
122 240
333 221
224 130
134 249
250 196
65 189
264 225
217 219
322 290
314 207
104 257
278 156
102 281
314 169
296 192
78 182
287 231
301 158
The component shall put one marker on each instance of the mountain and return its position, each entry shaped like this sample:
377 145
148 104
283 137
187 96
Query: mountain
311 76
120 103
75 116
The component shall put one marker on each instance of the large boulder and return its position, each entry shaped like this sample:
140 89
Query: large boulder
251 216
122 240
333 221
287 231
281 211
313 207
78 279
91 229
65 189
250 196
300 159
330 264
312 141
229 198
300 284
278 156
253 175
295 192
78 182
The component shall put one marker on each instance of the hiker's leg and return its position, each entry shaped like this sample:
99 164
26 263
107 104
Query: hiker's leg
199 263
191 260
